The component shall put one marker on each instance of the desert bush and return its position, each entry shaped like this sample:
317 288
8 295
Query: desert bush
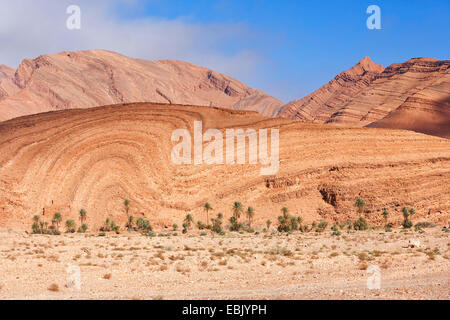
83 228
407 224
321 226
360 224
143 225
201 225
70 226
425 224
235 225
217 223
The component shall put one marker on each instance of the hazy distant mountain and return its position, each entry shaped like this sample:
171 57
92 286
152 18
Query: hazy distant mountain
92 78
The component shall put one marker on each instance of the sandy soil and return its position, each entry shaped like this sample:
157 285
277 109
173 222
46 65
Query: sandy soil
234 266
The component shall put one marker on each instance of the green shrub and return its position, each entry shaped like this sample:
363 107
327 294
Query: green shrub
321 226
70 226
83 228
217 223
360 224
407 224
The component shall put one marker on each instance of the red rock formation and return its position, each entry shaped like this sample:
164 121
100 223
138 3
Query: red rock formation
7 86
91 78
417 78
95 158
321 104
413 95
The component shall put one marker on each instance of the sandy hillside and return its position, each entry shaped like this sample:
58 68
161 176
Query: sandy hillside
94 159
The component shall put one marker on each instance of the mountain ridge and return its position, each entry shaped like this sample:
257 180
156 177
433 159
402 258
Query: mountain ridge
85 79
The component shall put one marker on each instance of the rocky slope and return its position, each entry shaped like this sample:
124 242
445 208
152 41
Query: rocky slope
92 78
321 104
95 158
413 95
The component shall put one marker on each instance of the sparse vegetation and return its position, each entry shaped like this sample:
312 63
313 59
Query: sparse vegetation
237 211
109 226
70 226
385 216
250 214
83 215
407 223
207 207
360 224
217 223
361 205
129 224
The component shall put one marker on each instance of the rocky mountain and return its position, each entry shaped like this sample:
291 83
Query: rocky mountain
87 79
413 95
321 104
95 158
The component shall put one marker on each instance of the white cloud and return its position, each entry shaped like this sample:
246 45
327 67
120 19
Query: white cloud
31 28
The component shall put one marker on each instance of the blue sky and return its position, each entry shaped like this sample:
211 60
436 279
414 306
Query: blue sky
285 48
306 43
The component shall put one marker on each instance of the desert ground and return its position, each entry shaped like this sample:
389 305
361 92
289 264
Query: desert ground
267 265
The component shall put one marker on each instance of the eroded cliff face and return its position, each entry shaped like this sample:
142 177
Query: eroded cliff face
321 104
92 78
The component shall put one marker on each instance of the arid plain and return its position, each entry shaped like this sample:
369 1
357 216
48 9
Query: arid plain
234 266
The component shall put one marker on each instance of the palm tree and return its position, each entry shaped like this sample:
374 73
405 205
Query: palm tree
36 218
127 205
360 204
188 220
385 215
237 210
130 222
285 211
405 213
300 221
58 218
207 208
250 213
83 215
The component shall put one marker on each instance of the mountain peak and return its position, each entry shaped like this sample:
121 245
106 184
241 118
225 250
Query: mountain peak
90 78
